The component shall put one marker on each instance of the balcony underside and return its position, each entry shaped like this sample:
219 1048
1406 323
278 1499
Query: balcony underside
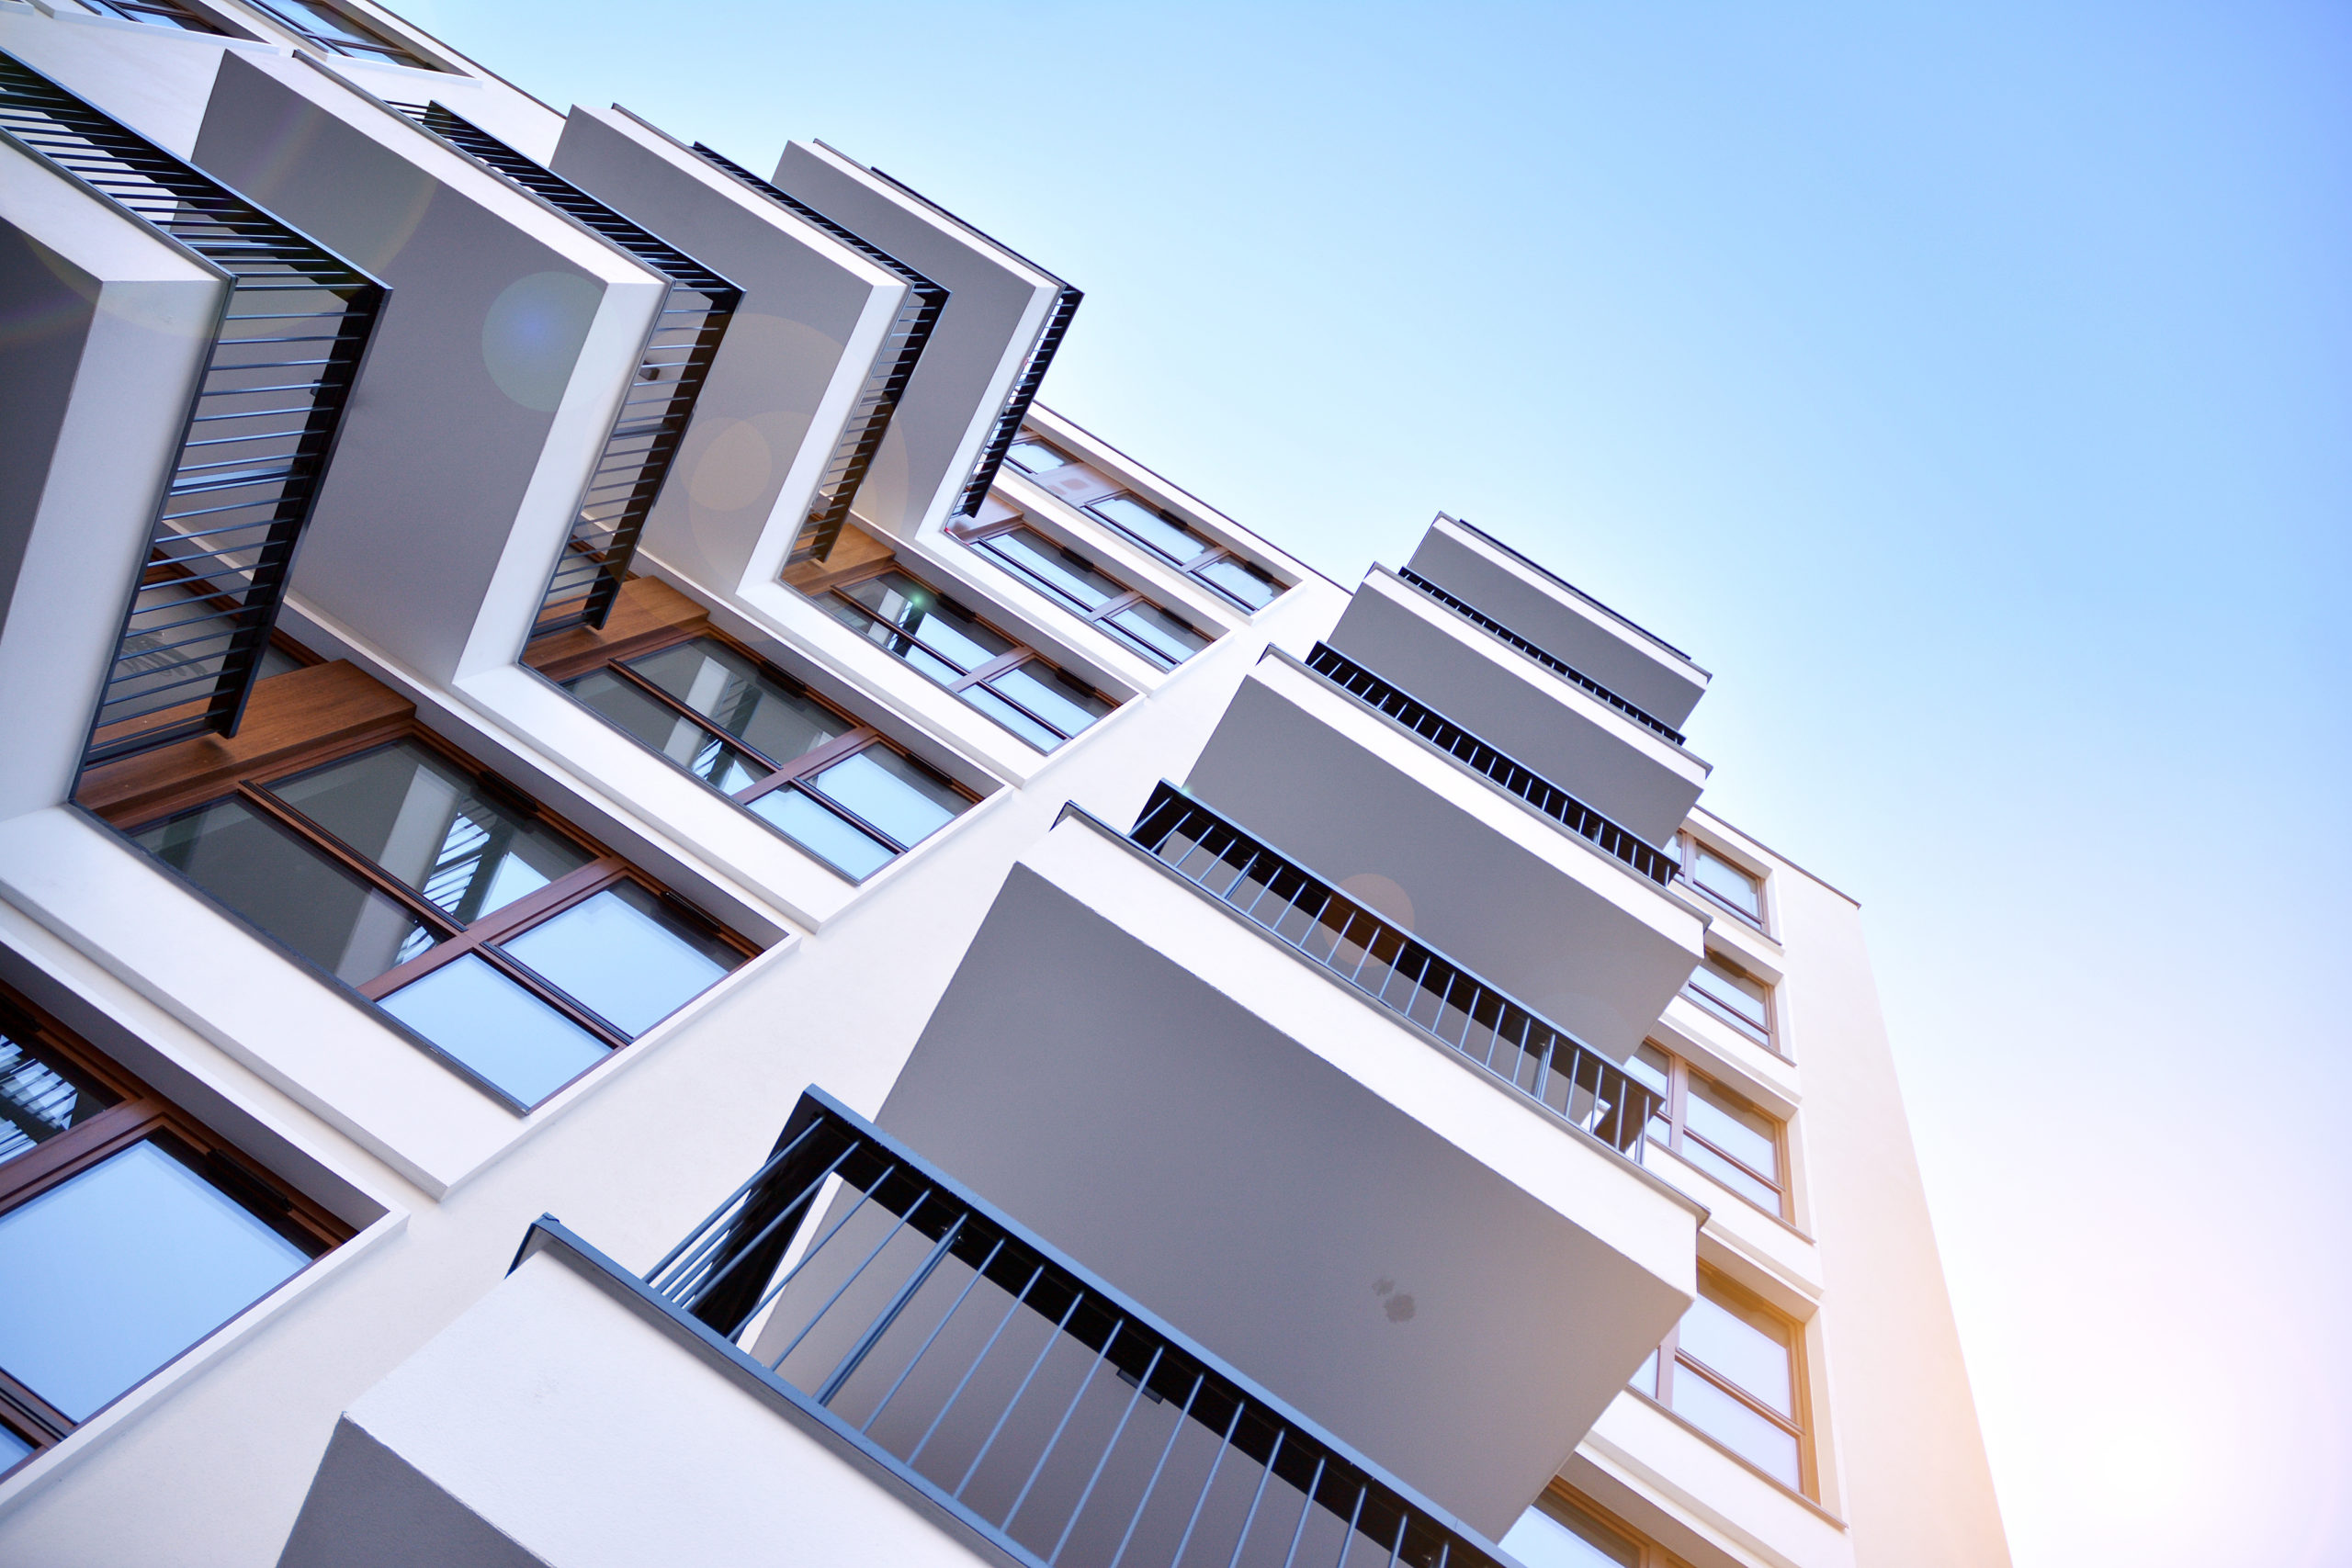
1315 1192
1622 769
1567 930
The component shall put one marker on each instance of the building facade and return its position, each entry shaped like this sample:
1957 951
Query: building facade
647 915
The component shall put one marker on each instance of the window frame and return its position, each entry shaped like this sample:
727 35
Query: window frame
143 10
249 787
1559 1498
1685 842
982 676
800 771
1680 1070
390 50
138 1114
1100 618
1671 1360
1769 1034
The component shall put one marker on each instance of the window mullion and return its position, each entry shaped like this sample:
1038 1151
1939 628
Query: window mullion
72 1150
1002 664
1720 1380
428 913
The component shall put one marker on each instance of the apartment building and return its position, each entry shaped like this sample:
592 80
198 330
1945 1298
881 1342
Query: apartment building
649 916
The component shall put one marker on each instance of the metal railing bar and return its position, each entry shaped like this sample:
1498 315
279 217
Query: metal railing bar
1046 1453
1019 1394
1011 1309
1250 1519
1086 1495
1200 1380
1225 1447
923 1350
855 1355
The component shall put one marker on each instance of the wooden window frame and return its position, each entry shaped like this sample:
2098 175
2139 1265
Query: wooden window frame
1560 1495
858 737
1673 1363
1685 841
982 676
138 1114
1671 1111
1100 618
1714 1007
249 786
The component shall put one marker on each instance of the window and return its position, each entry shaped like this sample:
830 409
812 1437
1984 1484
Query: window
1732 994
1185 548
155 13
1032 456
987 670
829 784
1560 1533
1732 1368
337 31
1716 1128
1163 638
1740 891
128 1232
519 949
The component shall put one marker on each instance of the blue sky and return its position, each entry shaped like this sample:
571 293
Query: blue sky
1970 387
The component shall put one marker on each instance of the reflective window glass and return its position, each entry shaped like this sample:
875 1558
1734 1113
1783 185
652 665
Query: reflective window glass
1738 1429
824 832
295 891
109 1275
496 1027
1733 993
624 957
1151 528
1013 718
1241 583
1747 1346
1061 703
893 600
1035 456
12 1448
1160 636
1060 573
685 742
734 694
892 793
1727 882
42 1095
1733 1125
1762 1194
422 819
1569 1539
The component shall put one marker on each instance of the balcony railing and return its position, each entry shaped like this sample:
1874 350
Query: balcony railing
1551 662
886 383
1005 1383
1516 777
259 437
660 403
1454 1007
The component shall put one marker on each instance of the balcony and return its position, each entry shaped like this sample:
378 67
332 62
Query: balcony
1621 760
854 1360
1300 1134
1644 670
1455 842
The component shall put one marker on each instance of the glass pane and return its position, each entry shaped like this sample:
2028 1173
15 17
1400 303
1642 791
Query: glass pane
1033 456
1645 1379
42 1095
892 600
734 694
293 891
1736 1427
1058 572
891 792
1733 1125
1241 583
419 817
1763 1195
496 1027
12 1448
1158 635
324 21
1727 882
1540 1540
107 1276
1052 696
681 739
824 833
621 954
1013 718
1736 993
1746 1346
1151 528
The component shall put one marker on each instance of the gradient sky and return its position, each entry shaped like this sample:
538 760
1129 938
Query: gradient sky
1970 387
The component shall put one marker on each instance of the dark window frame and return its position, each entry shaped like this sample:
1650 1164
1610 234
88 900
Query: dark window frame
1672 1113
170 14
1673 1361
1100 618
800 771
138 1114
982 675
453 940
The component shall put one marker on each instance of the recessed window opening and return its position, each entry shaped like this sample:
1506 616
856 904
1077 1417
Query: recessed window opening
1716 1129
1181 546
512 943
129 1232
823 779
1559 1533
1006 679
155 13
1732 995
339 32
1157 635
1733 886
1033 456
1733 1368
